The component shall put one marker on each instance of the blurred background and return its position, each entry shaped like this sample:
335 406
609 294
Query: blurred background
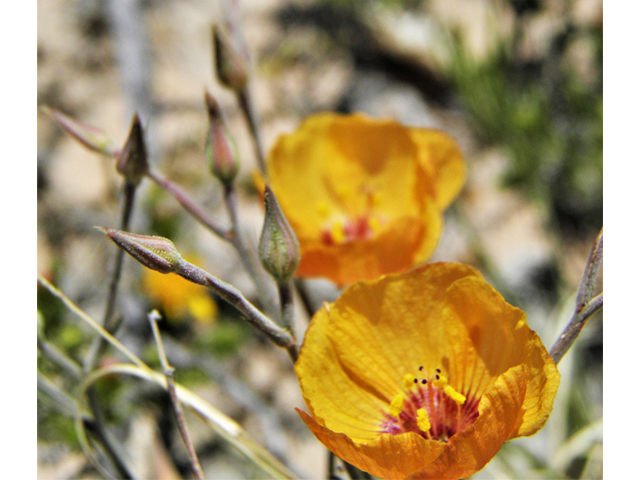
517 83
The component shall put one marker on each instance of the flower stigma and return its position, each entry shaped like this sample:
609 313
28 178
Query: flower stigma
430 407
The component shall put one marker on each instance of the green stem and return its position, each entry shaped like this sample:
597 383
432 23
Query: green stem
247 255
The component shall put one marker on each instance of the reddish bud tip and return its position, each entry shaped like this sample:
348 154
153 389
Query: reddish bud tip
220 149
132 161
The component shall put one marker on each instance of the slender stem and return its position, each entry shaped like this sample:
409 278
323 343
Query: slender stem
585 304
234 297
108 322
64 402
573 329
59 358
110 325
91 322
68 407
286 307
169 372
248 256
246 105
588 282
189 204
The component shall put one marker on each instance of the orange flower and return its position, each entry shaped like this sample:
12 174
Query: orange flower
423 374
365 197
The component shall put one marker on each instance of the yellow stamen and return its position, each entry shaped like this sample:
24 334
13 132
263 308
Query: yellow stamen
423 420
407 381
337 232
396 405
455 396
440 382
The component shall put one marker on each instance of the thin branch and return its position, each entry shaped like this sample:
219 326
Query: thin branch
169 372
66 405
246 105
287 307
573 329
588 282
91 322
59 358
189 204
254 316
585 304
97 347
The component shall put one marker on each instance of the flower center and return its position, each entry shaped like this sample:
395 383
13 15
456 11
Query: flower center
352 227
350 230
429 407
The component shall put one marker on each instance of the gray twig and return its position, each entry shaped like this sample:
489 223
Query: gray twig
169 371
585 304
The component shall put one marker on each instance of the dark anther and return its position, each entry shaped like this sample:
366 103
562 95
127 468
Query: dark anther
437 377
424 380
438 370
420 368
415 380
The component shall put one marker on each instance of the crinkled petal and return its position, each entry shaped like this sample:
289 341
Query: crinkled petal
386 456
356 353
469 451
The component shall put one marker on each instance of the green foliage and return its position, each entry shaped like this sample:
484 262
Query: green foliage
548 118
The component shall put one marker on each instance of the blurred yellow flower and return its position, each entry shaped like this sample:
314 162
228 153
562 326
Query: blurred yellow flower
423 374
178 297
364 196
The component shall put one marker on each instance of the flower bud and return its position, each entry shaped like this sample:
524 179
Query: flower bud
156 253
91 137
279 249
132 161
220 149
231 65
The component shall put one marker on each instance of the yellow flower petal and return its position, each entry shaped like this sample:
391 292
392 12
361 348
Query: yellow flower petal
443 322
363 196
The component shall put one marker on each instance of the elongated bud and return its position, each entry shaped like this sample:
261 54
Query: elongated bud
279 249
132 161
220 149
156 253
231 65
91 137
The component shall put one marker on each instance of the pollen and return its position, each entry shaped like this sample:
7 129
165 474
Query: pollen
423 420
408 381
430 407
440 381
397 405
